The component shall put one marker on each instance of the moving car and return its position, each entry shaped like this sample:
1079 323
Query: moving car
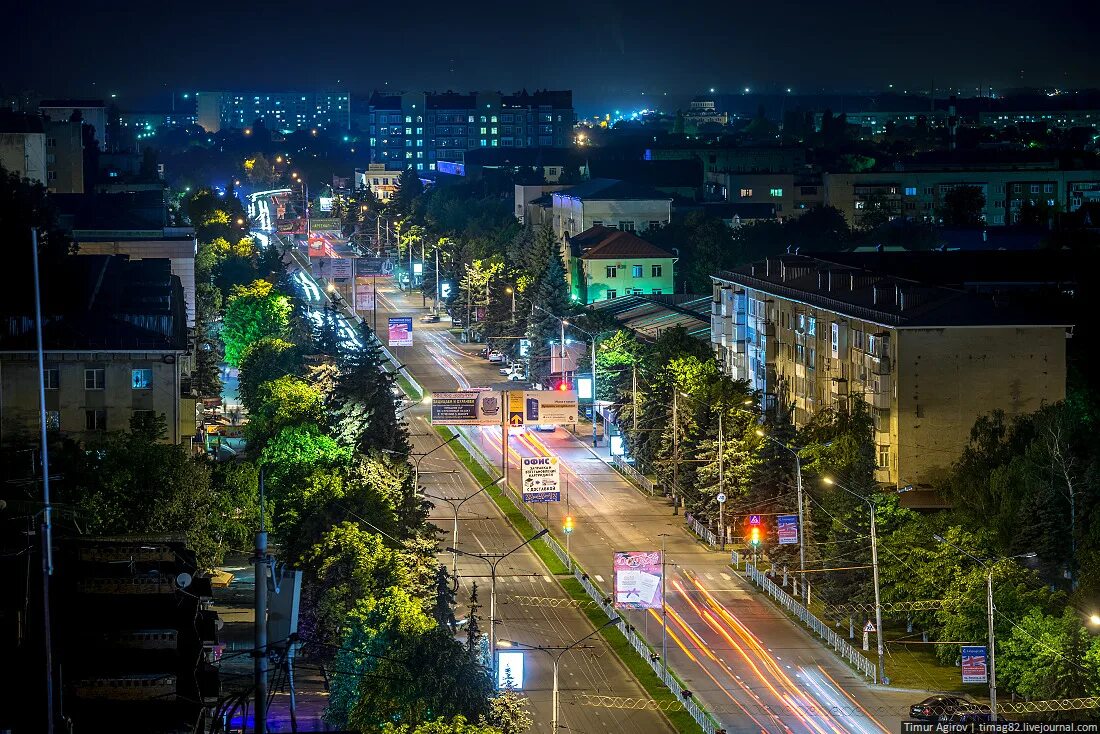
432 318
495 356
934 708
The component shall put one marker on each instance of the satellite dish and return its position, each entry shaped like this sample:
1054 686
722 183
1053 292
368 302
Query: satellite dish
219 623
183 580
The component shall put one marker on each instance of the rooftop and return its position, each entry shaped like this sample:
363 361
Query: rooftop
98 302
919 290
649 315
675 173
604 243
609 189
139 210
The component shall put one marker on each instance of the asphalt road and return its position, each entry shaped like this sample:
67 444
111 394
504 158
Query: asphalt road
531 607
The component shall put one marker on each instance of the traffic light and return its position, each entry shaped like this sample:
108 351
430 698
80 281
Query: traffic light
568 526
564 386
754 536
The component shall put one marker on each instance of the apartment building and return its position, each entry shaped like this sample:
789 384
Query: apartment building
917 337
420 129
284 111
115 346
919 194
604 263
609 202
380 179
1064 119
790 193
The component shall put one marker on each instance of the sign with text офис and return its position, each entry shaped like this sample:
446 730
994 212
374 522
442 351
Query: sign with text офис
974 664
541 477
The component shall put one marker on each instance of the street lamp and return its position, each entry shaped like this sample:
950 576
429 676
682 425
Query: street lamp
989 615
456 504
511 291
493 559
801 521
874 567
420 457
556 654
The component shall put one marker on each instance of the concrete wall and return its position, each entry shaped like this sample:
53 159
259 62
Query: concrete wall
947 378
19 392
624 283
65 157
24 154
584 214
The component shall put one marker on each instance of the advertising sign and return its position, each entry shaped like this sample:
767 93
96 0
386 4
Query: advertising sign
550 406
480 408
445 290
373 266
401 331
638 580
974 664
509 670
787 528
364 294
515 408
541 479
340 268
327 225
325 203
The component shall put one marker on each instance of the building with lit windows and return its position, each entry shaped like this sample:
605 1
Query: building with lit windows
928 342
420 129
791 194
285 111
604 263
382 181
1051 118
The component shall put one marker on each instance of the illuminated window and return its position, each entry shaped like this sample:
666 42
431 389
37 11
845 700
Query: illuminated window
141 379
910 190
745 193
776 192
636 271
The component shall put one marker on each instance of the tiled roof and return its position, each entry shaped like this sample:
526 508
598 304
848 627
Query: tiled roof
603 243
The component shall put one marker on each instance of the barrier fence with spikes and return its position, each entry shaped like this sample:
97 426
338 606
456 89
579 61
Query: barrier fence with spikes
553 603
840 610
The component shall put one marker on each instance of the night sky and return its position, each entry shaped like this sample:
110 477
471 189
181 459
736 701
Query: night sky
605 50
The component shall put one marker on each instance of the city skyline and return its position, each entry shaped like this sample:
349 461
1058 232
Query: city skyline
617 52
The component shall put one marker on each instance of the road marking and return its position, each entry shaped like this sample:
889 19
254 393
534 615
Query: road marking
710 576
547 579
599 578
725 576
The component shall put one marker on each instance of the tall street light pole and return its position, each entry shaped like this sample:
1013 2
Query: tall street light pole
493 559
556 654
874 567
456 504
803 588
989 617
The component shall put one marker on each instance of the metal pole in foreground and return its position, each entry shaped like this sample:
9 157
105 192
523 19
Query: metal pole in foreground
664 609
992 648
721 483
595 440
260 624
47 509
878 601
801 531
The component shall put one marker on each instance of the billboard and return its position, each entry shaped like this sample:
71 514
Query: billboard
401 331
974 664
474 408
638 580
364 295
339 268
541 478
373 266
515 408
509 670
550 406
787 528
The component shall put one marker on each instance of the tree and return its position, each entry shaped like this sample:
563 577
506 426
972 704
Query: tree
508 712
295 451
1049 657
25 205
457 725
282 402
444 608
362 407
264 360
963 207
254 312
550 303
409 188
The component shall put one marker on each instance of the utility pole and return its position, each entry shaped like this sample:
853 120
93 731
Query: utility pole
423 294
436 305
47 508
664 609
675 451
595 439
260 627
721 483
634 393
562 365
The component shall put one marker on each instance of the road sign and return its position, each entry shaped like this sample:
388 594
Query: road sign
515 408
787 529
721 497
974 665
754 519
541 479
340 268
869 627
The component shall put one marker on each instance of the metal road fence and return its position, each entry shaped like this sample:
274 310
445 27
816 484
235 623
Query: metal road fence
640 480
835 641
701 530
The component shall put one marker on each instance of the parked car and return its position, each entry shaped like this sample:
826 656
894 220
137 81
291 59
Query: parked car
495 356
483 352
432 318
934 708
545 427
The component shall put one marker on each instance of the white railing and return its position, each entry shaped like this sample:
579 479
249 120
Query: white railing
701 530
640 480
835 641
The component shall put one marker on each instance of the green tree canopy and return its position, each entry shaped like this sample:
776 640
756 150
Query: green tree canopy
254 312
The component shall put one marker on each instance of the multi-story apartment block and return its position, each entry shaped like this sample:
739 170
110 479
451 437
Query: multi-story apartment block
23 146
605 201
115 346
419 129
89 111
286 111
64 156
925 359
919 194
1051 118
790 193
747 159
605 263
